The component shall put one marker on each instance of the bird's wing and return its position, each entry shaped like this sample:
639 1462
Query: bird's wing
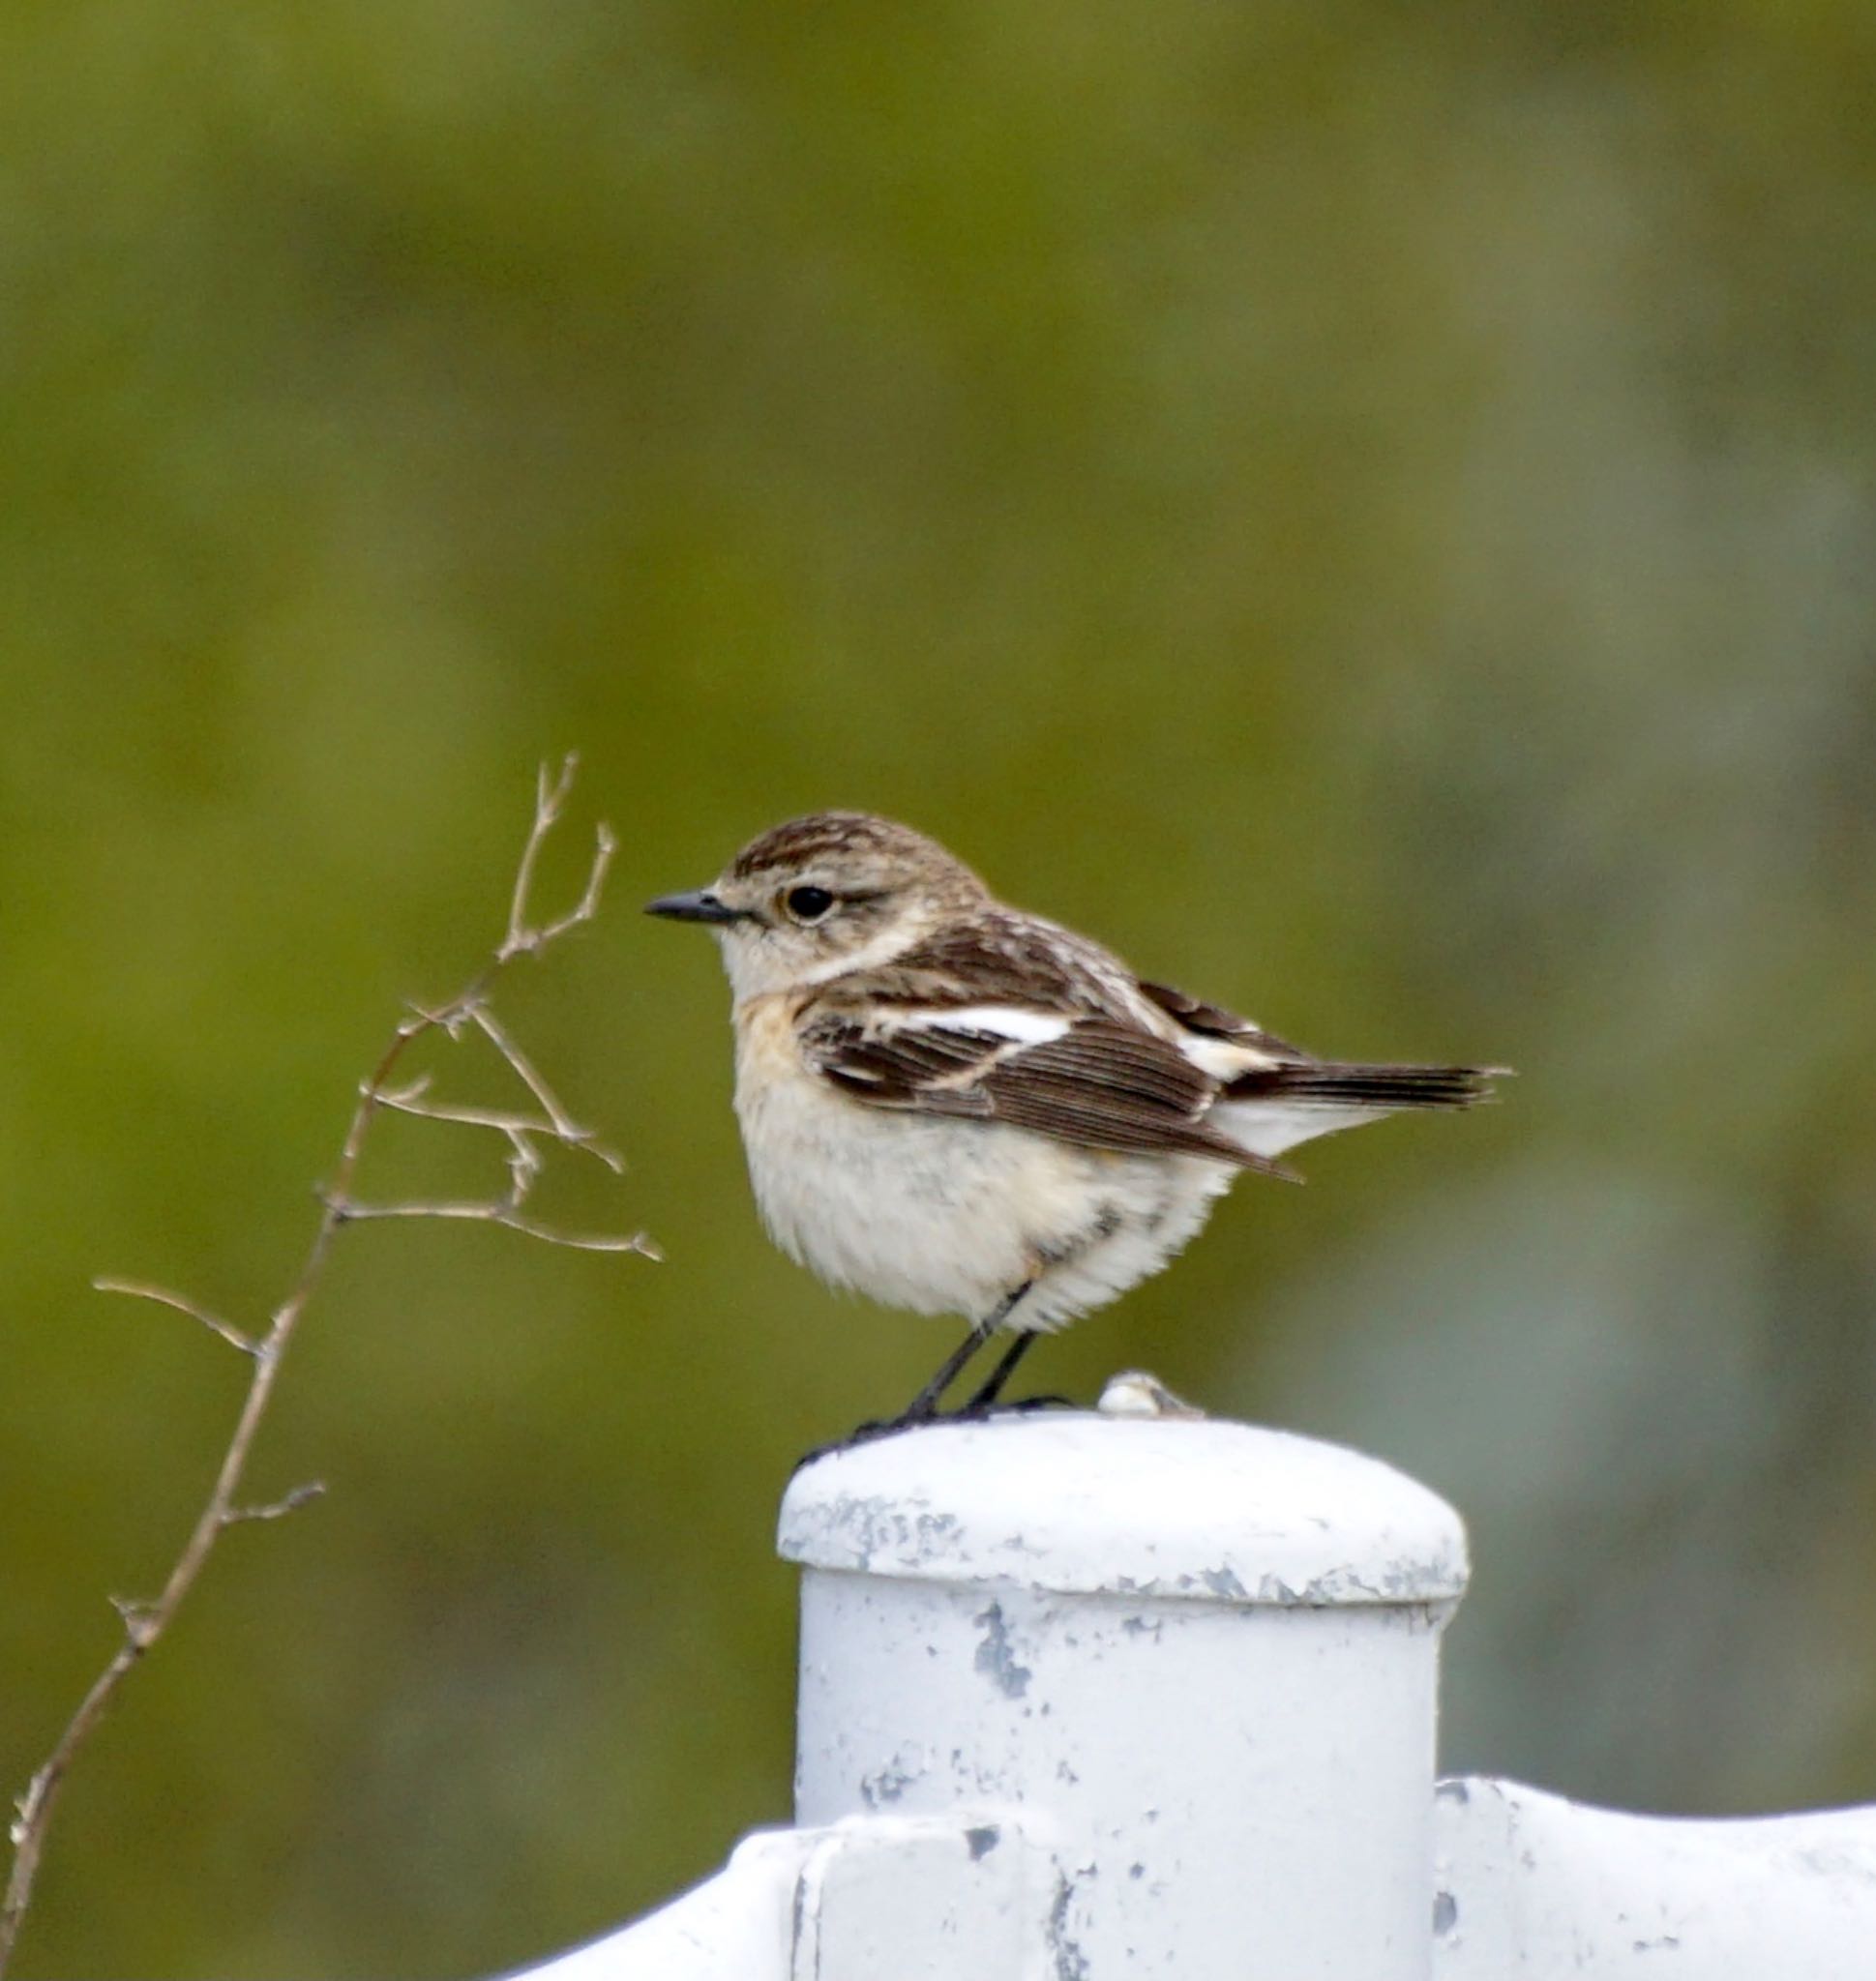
1206 1021
1096 1081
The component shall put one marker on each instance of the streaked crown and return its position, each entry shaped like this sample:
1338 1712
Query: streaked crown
857 845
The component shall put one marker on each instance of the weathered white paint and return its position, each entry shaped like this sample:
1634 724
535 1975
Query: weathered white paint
1530 1887
892 1898
1200 1658
1091 1697
897 1899
734 1926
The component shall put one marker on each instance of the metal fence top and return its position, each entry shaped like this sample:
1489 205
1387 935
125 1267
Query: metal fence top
1076 1502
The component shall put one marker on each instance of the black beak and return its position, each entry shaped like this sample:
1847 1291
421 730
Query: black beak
698 906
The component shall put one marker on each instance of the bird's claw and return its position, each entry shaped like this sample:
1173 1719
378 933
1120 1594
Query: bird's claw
966 1414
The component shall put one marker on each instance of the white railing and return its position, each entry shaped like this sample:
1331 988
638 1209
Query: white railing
1086 1697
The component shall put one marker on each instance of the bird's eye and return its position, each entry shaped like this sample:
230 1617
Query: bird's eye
808 904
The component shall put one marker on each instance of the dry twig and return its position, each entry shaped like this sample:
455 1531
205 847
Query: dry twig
144 1622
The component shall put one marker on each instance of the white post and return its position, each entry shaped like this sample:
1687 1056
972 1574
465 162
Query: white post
1195 1661
1533 1886
1093 1697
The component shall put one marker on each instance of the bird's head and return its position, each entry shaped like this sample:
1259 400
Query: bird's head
820 895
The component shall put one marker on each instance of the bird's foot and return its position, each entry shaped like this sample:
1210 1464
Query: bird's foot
975 1412
972 1413
865 1434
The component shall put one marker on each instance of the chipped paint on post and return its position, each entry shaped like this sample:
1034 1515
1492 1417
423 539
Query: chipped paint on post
993 1659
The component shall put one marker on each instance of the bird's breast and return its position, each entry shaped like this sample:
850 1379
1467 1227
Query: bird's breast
946 1215
915 1210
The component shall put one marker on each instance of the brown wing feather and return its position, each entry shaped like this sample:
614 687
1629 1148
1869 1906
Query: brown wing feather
1110 1086
901 1069
1102 1086
1214 1021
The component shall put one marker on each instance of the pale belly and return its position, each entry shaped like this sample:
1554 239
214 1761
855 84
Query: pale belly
947 1216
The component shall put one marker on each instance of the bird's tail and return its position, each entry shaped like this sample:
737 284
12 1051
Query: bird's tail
1333 1084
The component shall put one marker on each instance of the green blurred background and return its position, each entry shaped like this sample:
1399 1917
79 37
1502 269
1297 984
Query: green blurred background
1370 508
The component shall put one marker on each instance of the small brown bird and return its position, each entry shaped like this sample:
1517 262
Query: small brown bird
955 1106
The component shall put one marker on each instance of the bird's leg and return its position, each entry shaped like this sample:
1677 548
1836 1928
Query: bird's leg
985 1402
925 1403
924 1406
1000 1376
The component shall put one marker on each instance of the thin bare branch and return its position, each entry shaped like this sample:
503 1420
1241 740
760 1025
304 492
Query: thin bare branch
580 1241
605 845
138 1290
473 1210
406 1101
478 1211
504 1212
564 1127
553 1122
523 1167
550 795
145 1622
134 1616
524 937
276 1509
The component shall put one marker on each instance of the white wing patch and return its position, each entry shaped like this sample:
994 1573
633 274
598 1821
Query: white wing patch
1224 1059
1021 1027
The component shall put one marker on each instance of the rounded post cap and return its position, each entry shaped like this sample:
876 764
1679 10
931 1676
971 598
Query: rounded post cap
1203 1509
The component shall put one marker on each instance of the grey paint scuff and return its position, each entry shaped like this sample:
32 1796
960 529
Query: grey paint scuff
863 1525
994 1659
889 1783
1070 1963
